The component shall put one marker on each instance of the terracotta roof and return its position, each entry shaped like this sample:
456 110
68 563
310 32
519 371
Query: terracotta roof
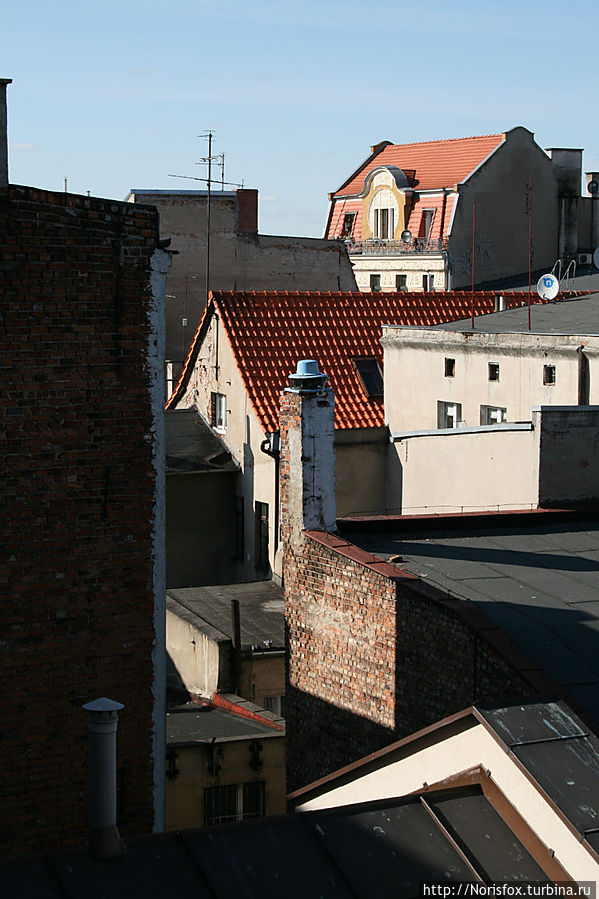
437 163
270 331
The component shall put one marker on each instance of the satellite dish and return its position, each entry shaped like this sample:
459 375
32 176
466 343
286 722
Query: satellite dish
593 187
596 258
548 287
406 236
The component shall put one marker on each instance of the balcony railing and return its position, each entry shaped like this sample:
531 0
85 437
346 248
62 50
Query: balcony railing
375 247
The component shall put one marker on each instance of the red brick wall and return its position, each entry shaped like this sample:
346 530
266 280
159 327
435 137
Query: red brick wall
78 499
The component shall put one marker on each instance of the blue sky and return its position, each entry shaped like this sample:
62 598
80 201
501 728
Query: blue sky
113 95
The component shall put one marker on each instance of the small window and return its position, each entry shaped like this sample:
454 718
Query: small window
493 371
449 415
348 224
371 376
449 368
218 411
492 415
549 374
384 223
428 282
401 282
220 804
375 282
275 704
426 223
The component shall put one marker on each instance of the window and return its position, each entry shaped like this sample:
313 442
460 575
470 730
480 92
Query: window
275 704
428 282
384 223
369 373
549 374
348 224
261 536
449 368
401 282
375 282
218 411
234 802
493 371
449 415
492 415
220 804
426 223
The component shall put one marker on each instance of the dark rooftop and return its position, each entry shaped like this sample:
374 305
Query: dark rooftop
579 316
201 723
373 850
536 577
260 611
192 445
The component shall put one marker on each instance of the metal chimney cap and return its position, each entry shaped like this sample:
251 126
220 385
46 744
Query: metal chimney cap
307 378
103 705
307 368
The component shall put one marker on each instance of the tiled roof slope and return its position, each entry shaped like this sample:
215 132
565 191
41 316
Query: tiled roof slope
270 331
437 163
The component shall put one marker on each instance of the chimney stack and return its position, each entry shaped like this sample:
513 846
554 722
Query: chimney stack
307 454
104 838
3 133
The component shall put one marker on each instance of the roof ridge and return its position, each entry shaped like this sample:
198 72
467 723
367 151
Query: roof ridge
445 140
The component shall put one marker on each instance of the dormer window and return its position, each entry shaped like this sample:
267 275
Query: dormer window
370 375
426 223
384 223
348 224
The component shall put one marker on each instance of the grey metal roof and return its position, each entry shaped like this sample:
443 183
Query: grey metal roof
375 850
578 316
539 582
560 754
260 610
192 445
193 723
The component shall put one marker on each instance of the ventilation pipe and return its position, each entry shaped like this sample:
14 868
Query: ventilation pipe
104 838
583 376
3 133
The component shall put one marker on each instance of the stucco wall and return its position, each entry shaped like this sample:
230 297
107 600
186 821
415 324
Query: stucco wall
499 188
415 374
461 472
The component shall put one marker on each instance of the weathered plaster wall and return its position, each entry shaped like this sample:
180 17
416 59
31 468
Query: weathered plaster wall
500 189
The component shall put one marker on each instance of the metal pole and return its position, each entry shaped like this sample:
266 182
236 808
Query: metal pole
529 246
104 840
473 247
208 216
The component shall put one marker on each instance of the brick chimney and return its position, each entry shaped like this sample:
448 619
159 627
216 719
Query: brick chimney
307 454
247 206
3 133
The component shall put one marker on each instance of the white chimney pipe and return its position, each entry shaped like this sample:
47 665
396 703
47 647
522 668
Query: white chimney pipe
3 133
104 839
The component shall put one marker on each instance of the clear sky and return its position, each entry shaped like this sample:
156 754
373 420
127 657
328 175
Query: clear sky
113 95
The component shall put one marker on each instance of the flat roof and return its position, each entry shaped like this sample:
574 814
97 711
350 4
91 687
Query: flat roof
201 723
261 608
579 315
537 578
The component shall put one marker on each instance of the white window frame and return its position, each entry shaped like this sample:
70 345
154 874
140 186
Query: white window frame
493 415
449 414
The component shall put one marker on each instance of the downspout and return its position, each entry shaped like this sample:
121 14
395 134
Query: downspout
271 446
583 376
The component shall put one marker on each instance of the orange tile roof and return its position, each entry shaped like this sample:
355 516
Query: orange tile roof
270 331
436 163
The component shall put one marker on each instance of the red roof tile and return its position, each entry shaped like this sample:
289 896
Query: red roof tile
436 163
269 332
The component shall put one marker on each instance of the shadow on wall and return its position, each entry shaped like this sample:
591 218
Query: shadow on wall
256 517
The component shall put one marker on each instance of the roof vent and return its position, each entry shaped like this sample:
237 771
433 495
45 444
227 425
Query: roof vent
307 377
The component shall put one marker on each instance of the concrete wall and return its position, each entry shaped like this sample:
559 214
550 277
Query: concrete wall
240 258
463 471
200 528
262 676
202 658
82 532
185 793
569 454
499 189
415 374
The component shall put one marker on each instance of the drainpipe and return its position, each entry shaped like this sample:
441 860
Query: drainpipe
272 447
583 376
104 838
4 82
236 641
